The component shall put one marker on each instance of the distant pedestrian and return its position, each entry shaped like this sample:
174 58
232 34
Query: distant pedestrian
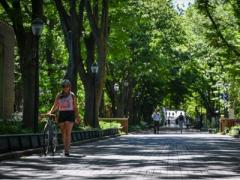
156 121
168 121
181 121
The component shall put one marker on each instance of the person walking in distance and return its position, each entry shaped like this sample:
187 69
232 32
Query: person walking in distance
156 121
181 121
66 105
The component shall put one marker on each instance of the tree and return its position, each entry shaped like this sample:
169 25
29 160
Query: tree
96 36
143 41
20 17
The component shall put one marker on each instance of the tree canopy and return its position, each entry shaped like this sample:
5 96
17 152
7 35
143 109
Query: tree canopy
159 54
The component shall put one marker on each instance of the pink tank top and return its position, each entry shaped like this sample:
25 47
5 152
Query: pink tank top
66 103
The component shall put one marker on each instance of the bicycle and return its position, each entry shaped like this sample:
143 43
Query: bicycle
50 134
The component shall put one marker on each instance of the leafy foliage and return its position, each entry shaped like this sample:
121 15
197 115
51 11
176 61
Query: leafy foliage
177 59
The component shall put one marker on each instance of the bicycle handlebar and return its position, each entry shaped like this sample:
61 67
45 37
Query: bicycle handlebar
48 115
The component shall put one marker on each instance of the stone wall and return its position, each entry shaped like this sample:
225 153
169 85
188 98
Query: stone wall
7 43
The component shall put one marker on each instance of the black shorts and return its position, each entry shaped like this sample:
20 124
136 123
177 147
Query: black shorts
66 116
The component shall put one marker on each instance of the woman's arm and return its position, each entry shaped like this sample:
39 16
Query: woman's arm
55 106
76 110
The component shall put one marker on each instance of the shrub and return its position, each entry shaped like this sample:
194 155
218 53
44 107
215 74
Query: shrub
135 128
13 127
107 125
234 131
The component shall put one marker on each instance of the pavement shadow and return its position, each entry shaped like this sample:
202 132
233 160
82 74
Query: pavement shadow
187 156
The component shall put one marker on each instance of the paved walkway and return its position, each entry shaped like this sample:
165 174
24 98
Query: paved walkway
137 156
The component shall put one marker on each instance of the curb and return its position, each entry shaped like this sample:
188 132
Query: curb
28 152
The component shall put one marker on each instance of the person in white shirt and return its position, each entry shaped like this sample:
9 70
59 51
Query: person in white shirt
156 121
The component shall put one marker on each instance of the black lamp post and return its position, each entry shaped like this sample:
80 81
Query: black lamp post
94 69
37 26
126 97
225 100
116 89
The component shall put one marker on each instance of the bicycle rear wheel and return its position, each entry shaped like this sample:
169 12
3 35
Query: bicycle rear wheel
46 139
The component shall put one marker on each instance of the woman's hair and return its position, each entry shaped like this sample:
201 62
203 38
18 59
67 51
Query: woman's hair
65 82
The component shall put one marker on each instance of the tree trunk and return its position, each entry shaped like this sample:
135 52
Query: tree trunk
120 104
74 56
102 107
28 69
72 29
88 115
101 76
100 33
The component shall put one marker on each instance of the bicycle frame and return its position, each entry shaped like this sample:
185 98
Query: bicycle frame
49 136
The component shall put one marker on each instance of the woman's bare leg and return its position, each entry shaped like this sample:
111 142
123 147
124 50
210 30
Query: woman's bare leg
63 132
68 130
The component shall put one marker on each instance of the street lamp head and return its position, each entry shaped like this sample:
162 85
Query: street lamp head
126 83
94 68
37 26
116 87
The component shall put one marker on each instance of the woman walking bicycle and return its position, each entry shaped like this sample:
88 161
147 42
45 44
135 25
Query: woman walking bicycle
66 105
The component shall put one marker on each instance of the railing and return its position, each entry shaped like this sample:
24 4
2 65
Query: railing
18 142
228 123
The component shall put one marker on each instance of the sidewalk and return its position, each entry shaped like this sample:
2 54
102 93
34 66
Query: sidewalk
138 156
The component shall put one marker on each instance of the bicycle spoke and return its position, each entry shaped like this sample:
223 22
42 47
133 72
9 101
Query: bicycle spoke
54 139
46 140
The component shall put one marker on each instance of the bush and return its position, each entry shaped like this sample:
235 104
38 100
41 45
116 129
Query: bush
13 127
107 125
140 127
234 131
226 130
135 128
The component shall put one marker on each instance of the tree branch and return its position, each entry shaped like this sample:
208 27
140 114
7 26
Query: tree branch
81 10
73 13
91 19
6 7
65 19
104 19
96 12
17 18
236 9
230 47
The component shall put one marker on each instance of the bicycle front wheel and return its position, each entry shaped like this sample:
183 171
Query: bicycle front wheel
46 140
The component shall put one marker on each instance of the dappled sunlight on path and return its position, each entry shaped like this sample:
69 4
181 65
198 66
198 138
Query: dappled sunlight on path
137 156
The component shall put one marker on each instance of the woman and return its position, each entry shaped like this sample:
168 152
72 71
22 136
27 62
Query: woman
66 104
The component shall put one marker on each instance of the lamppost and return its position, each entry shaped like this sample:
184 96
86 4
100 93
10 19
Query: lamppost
218 107
116 89
126 97
94 69
225 100
37 26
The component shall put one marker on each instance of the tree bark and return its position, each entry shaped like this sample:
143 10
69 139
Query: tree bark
88 80
28 75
